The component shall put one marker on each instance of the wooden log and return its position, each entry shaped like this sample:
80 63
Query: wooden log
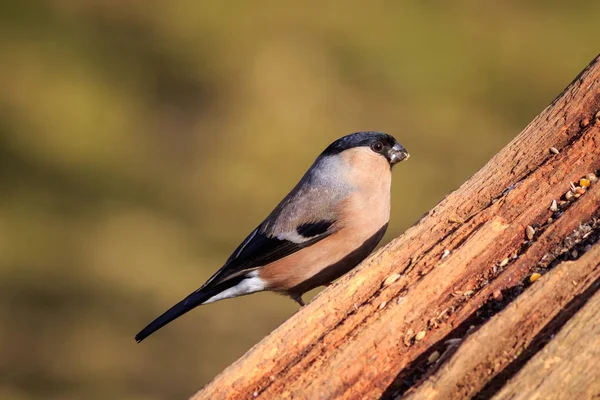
567 367
499 342
357 337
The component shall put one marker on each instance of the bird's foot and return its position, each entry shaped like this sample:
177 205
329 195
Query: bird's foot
298 299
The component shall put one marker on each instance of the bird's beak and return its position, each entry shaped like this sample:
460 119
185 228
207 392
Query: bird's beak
398 153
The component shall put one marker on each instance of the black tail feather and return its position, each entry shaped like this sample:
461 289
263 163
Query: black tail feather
190 302
185 305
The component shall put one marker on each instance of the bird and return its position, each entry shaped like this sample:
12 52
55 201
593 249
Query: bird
329 222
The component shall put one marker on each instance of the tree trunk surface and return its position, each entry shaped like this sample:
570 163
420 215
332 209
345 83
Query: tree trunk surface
454 308
567 365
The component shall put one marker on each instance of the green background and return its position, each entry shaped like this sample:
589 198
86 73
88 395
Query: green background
141 141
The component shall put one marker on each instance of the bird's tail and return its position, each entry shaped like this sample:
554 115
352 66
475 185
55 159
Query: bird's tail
190 302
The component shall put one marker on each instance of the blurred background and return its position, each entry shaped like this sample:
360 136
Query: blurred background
141 141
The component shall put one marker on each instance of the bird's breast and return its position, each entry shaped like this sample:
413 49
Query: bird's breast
362 218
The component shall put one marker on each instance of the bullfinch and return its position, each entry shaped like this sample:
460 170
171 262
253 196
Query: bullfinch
327 224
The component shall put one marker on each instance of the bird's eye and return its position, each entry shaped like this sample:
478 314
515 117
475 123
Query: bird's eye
377 147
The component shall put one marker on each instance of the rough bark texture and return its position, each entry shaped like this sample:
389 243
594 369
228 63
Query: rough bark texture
499 342
567 365
374 333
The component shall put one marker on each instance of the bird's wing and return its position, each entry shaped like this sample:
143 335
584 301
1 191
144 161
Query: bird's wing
257 250
308 214
261 248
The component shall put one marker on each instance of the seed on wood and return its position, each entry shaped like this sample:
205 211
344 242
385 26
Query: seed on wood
445 254
584 182
497 295
554 150
534 277
453 342
580 191
591 177
569 195
383 303
391 279
468 293
420 336
554 206
504 262
584 122
574 253
574 283
530 232
597 115
550 220
440 315
587 248
433 357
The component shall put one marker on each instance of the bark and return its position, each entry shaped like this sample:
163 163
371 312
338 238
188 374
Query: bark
568 365
496 345
370 335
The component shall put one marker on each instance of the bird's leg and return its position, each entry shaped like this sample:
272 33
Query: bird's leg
298 299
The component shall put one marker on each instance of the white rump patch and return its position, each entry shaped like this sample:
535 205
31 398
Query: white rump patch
252 284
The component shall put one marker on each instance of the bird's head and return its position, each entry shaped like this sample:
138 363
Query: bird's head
379 143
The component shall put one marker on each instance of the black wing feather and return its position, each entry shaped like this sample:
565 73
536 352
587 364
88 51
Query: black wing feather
256 250
260 249
314 228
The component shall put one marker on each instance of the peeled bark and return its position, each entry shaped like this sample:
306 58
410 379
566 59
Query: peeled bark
371 334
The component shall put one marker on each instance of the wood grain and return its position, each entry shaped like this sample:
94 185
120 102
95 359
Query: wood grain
500 341
567 366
